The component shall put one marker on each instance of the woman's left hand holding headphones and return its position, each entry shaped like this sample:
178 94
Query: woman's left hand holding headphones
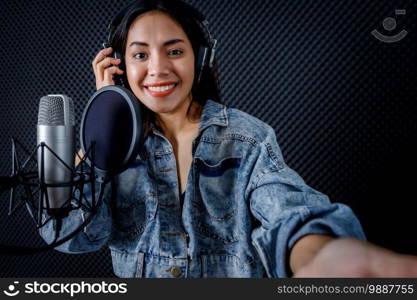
105 67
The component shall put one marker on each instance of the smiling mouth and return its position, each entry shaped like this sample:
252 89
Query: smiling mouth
161 90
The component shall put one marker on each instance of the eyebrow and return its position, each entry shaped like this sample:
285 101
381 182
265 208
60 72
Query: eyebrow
167 43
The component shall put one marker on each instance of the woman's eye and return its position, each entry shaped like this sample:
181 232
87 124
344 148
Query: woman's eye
175 52
140 55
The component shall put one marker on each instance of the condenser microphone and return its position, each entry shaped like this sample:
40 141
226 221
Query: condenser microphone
111 138
55 130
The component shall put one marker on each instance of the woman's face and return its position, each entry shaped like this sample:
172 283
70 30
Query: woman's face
159 62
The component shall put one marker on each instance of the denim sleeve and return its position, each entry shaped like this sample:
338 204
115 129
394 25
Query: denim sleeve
93 237
288 209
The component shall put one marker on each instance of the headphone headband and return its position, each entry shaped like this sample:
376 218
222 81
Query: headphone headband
212 42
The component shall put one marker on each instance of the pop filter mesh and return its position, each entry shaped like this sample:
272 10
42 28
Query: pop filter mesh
109 123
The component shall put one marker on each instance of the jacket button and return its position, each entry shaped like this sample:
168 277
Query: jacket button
175 271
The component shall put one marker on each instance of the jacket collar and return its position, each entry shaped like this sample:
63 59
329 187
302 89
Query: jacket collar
213 113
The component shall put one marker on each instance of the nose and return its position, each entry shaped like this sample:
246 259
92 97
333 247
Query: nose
158 66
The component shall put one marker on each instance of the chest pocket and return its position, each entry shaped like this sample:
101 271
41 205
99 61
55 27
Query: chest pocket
131 215
135 204
215 200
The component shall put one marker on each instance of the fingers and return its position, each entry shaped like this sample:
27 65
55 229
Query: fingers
102 54
105 67
108 74
106 62
78 157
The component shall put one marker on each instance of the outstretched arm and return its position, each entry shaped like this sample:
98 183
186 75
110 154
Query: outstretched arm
324 256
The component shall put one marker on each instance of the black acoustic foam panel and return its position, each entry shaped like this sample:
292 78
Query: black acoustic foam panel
343 103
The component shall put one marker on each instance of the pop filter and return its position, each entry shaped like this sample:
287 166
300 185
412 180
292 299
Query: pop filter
112 120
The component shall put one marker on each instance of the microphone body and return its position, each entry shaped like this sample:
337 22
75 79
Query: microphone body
56 130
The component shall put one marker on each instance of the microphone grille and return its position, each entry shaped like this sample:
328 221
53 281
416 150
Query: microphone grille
55 110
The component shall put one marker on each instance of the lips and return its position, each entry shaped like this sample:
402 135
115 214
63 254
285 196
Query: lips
161 89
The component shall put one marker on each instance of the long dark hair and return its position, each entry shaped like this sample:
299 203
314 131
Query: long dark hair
191 22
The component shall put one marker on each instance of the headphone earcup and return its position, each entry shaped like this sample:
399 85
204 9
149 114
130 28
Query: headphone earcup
120 79
117 55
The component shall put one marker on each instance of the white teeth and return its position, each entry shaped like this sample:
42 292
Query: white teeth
161 88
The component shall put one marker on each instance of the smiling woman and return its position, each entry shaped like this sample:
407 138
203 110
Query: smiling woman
160 65
210 195
162 44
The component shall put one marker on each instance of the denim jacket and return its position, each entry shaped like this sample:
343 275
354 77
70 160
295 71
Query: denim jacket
243 209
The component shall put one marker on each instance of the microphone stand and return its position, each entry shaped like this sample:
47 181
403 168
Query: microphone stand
31 179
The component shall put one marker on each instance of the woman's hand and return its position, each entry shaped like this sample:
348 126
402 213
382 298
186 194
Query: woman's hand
354 258
78 157
105 67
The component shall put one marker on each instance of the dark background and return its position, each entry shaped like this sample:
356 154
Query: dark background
343 104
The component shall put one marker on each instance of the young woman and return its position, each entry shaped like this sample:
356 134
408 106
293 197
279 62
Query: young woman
210 195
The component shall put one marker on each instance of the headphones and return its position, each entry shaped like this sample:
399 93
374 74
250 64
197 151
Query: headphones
204 60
